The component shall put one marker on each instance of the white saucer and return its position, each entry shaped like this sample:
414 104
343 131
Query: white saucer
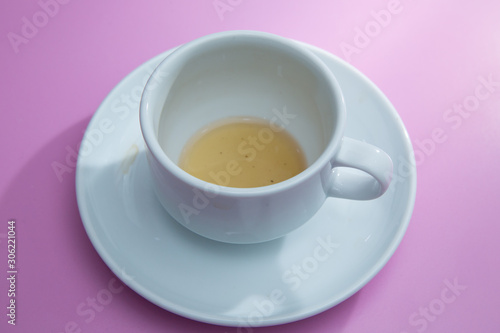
276 282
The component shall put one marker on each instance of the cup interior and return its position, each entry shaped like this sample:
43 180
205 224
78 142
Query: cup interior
244 75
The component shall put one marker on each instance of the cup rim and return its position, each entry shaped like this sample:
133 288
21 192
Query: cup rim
328 154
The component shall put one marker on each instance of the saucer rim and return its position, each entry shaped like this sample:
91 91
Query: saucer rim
277 319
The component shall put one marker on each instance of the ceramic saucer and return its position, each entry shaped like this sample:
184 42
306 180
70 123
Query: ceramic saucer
310 270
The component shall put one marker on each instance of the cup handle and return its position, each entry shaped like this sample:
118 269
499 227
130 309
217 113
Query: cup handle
351 183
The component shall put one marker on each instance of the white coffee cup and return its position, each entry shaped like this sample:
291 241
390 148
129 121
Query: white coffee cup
247 73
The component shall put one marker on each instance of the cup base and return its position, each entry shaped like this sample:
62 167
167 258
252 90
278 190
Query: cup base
183 272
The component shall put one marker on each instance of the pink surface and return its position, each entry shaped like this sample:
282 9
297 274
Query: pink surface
429 58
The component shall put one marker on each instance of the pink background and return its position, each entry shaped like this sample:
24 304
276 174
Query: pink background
427 57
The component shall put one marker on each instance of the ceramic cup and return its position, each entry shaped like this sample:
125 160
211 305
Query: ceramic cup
247 73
